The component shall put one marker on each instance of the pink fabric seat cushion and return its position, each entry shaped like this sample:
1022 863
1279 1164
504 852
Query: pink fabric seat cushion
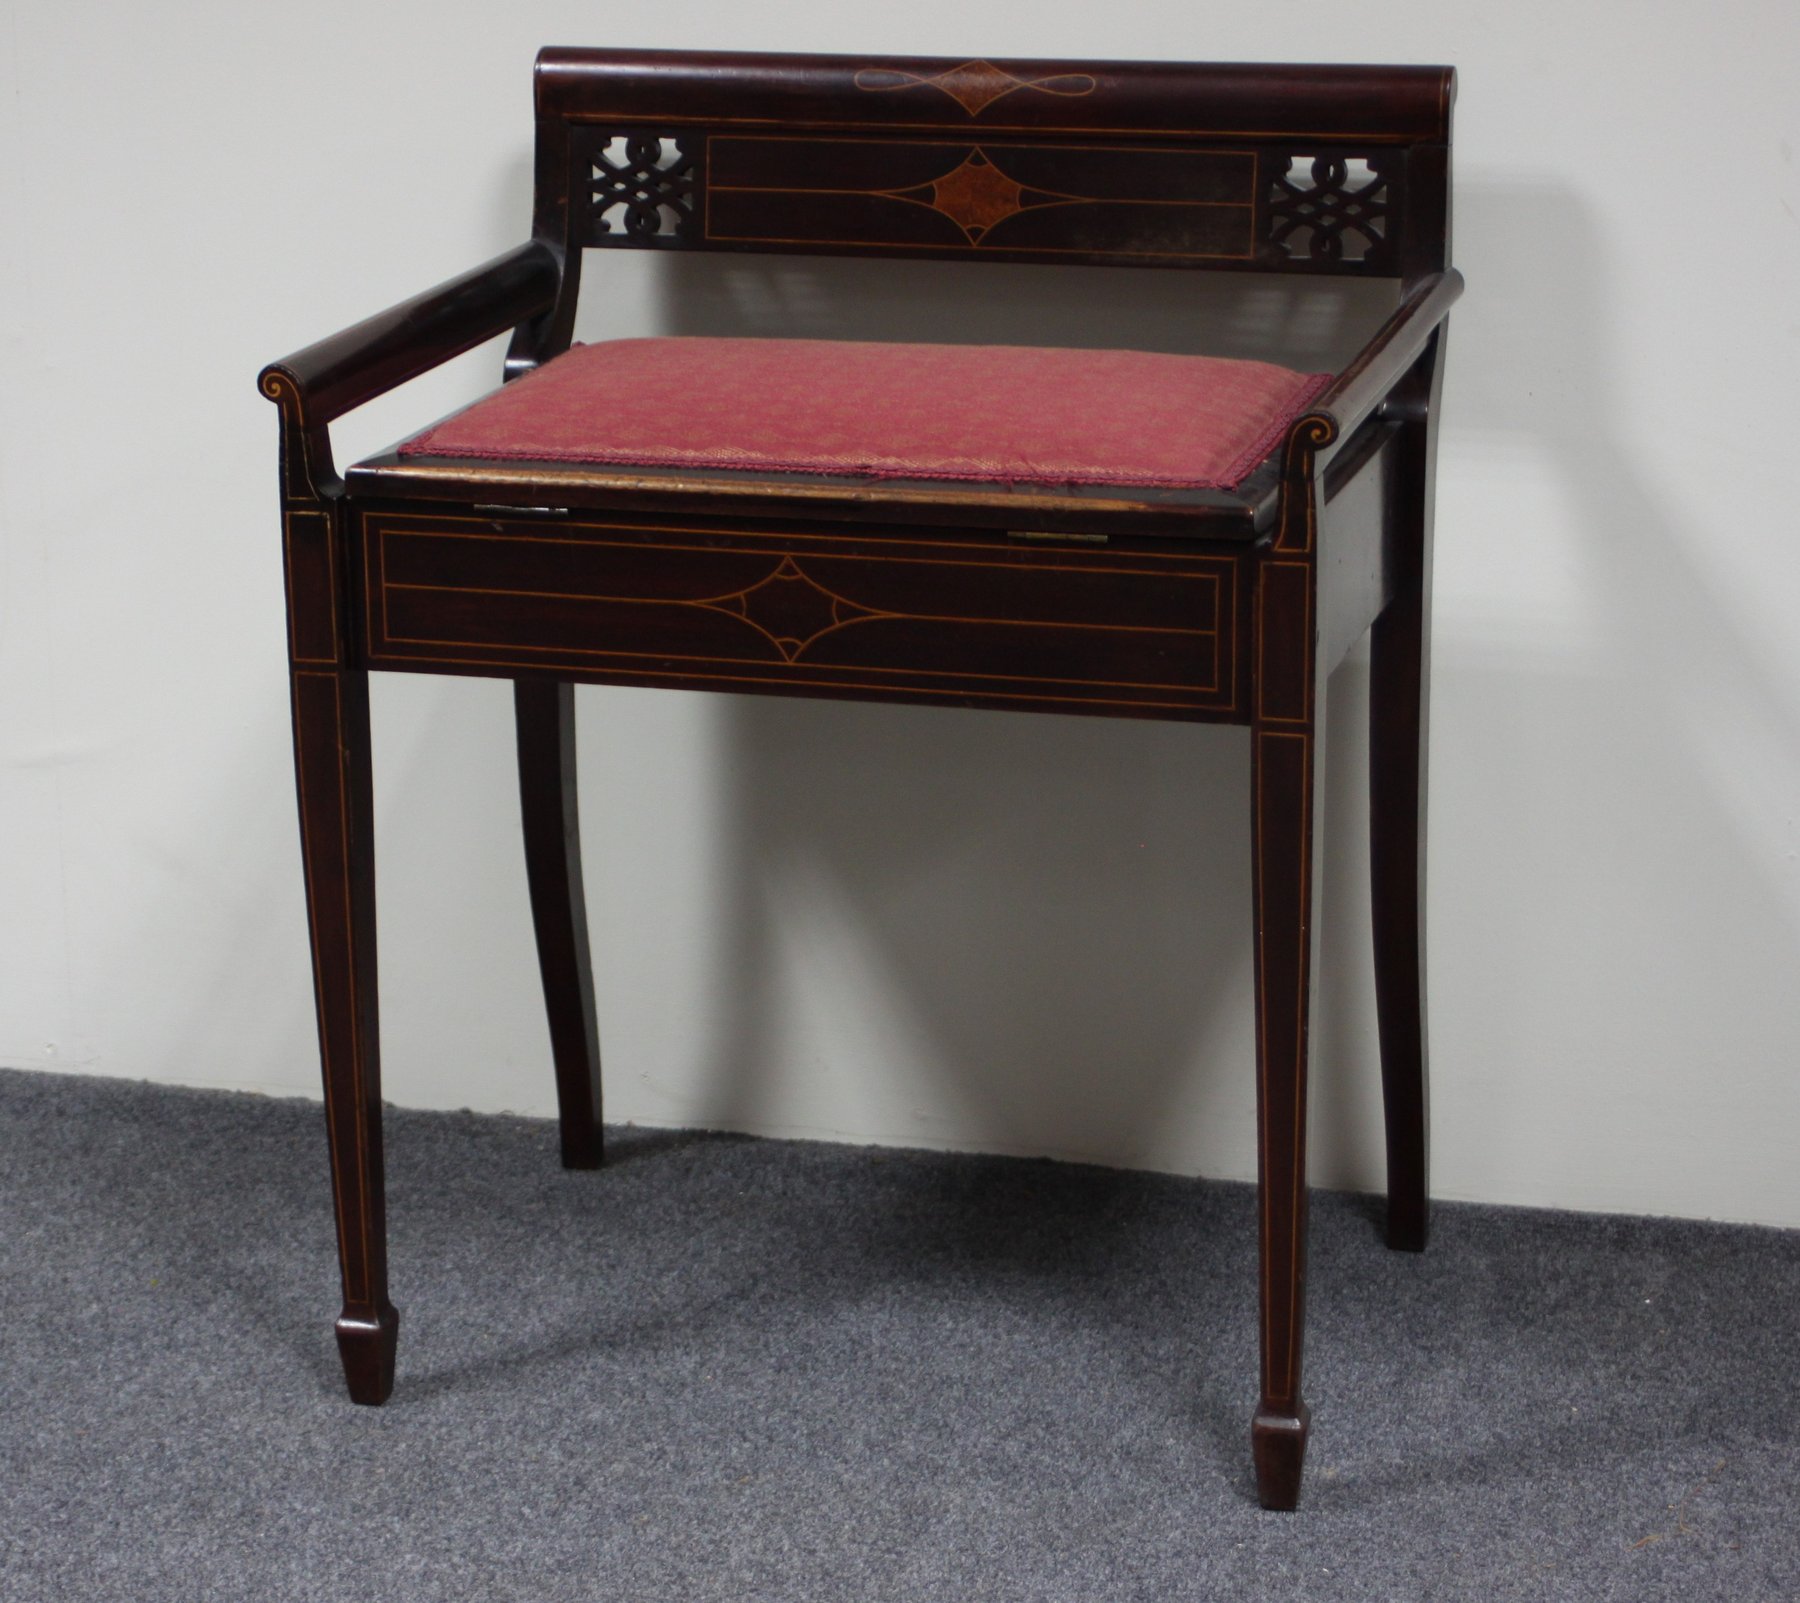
1000 413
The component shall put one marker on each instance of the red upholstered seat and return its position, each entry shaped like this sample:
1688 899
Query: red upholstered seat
1004 414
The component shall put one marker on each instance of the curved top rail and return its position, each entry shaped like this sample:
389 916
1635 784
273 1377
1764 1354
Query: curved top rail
1397 105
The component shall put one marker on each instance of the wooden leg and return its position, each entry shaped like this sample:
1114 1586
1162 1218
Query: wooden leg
1285 777
331 764
1287 749
1397 852
545 712
1399 700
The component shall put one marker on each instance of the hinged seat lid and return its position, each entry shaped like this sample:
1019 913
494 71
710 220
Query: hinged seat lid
1003 415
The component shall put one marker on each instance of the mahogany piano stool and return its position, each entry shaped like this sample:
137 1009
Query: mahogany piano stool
1123 534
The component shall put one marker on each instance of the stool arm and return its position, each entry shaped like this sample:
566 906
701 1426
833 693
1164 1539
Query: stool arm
1367 383
341 372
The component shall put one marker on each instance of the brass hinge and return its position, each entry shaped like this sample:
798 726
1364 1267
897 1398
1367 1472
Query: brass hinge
1056 534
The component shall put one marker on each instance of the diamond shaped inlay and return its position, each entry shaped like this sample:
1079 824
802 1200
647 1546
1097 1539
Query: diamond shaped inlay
977 195
975 85
792 608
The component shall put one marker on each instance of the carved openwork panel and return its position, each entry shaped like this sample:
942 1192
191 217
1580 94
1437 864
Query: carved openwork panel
643 187
1330 210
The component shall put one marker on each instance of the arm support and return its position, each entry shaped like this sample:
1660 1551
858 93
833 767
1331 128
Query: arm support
1366 383
339 373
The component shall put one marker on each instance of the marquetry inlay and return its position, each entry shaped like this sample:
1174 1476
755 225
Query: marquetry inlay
1097 199
792 608
977 195
975 85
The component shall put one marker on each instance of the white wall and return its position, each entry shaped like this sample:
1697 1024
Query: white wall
1011 933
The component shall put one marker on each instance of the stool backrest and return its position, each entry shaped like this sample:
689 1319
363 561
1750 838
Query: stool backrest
1336 170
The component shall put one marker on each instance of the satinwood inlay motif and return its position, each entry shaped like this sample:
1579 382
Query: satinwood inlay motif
1100 200
792 608
977 195
975 85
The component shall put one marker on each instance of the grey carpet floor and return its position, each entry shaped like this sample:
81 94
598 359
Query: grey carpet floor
736 1369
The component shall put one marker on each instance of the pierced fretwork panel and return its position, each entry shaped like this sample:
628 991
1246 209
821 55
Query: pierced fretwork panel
1330 209
643 187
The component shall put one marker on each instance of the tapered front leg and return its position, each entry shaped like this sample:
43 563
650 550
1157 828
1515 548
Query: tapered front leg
1287 757
1285 765
330 696
331 760
545 712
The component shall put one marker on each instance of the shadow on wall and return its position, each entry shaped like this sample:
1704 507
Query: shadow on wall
1607 809
1053 910
1045 918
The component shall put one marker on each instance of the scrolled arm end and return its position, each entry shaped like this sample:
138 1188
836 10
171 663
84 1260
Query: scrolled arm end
332 376
1313 430
280 386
